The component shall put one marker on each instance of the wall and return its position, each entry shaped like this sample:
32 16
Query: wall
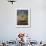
8 28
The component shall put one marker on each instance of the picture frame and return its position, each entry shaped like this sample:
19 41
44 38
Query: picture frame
23 17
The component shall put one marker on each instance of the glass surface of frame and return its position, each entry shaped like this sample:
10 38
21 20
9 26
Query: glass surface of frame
23 17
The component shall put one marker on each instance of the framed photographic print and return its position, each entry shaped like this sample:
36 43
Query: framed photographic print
22 17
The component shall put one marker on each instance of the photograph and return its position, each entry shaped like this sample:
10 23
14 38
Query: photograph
22 17
22 22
